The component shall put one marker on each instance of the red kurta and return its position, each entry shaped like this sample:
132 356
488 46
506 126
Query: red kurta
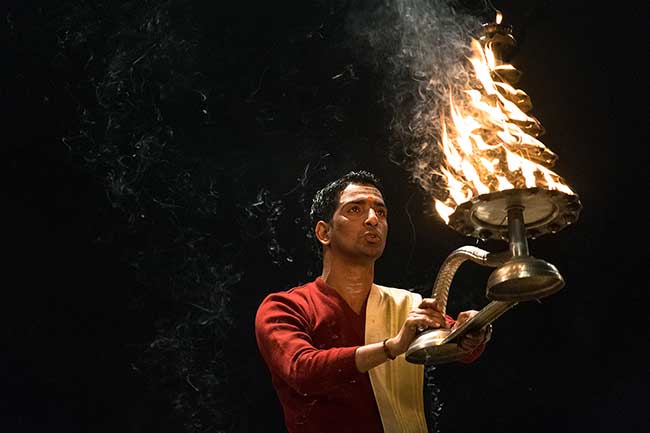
308 336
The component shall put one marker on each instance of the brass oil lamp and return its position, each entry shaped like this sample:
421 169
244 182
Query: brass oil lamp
525 206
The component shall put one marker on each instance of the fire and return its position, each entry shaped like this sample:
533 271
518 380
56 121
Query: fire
488 139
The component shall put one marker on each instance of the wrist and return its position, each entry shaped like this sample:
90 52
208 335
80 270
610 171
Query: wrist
389 350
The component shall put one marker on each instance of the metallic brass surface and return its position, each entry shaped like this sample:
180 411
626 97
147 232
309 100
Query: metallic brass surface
439 346
512 215
523 279
544 211
429 348
451 264
517 231
499 37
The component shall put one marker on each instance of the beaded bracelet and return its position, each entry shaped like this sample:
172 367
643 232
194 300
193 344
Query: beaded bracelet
386 351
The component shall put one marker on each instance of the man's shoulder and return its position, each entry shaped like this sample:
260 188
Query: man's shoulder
293 302
297 294
397 294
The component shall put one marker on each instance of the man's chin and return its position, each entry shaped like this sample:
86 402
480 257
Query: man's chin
374 251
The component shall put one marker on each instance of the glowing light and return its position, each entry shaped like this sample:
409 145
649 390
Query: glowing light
486 137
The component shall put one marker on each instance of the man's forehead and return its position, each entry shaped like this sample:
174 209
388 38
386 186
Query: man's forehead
354 192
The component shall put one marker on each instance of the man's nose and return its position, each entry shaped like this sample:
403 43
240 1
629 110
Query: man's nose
372 218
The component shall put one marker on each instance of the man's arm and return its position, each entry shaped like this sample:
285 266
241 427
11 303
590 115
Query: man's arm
426 315
282 332
287 348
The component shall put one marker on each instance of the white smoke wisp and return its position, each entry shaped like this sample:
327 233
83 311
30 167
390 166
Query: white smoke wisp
421 48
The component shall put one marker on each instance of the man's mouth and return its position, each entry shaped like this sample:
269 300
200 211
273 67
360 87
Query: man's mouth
372 237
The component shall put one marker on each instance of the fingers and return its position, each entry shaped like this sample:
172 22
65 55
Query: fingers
465 316
433 304
477 335
473 339
430 314
424 319
434 309
418 320
470 342
435 317
487 335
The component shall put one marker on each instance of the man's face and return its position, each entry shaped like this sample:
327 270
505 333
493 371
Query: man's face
359 225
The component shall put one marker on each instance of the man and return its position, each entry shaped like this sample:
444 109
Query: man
334 346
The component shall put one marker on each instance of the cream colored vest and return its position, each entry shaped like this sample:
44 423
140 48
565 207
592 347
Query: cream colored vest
398 384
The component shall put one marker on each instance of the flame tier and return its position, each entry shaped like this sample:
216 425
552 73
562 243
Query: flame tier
545 211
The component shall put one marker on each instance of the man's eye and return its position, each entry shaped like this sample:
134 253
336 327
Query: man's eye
354 209
381 212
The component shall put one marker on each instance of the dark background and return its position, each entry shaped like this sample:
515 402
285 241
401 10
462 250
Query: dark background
157 161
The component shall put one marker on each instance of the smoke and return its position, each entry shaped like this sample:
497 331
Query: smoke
420 48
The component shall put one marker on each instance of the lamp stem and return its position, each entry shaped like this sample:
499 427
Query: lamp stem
517 231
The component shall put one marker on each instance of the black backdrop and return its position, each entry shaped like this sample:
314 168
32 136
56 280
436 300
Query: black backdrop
157 163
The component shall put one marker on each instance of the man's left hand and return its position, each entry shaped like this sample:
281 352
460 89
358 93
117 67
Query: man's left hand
473 339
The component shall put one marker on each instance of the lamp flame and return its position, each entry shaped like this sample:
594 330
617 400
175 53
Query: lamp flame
487 139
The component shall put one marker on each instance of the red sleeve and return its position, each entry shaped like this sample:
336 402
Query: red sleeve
281 329
473 355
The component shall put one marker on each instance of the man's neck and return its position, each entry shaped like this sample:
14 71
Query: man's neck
352 281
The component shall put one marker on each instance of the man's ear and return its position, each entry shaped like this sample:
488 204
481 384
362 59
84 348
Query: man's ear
322 231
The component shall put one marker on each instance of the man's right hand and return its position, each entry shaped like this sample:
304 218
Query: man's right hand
429 314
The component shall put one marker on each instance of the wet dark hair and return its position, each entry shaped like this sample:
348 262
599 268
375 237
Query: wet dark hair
326 199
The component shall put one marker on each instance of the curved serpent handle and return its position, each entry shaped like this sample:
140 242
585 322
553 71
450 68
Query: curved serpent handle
452 263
